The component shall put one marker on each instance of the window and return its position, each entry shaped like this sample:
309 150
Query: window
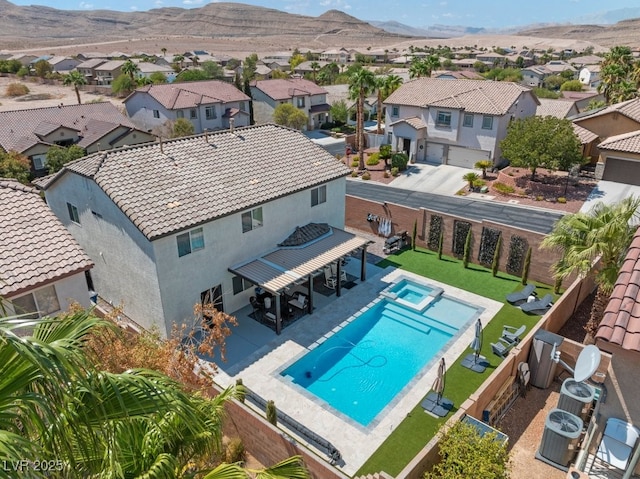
193 113
241 108
190 241
156 113
240 284
179 114
210 113
444 119
42 302
319 195
73 213
300 101
39 162
395 111
468 120
251 220
487 122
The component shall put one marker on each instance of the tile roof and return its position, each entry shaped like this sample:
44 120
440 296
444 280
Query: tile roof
585 136
92 63
473 96
629 108
305 234
191 94
414 122
621 321
555 108
627 142
284 89
35 248
19 129
110 66
189 181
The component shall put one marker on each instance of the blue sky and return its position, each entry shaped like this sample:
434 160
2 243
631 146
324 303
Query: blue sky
420 13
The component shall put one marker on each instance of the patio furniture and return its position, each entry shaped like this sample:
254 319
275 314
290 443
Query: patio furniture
329 279
511 334
617 443
539 305
522 295
502 347
300 302
334 272
258 309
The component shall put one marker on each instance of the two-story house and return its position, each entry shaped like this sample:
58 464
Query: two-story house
590 75
107 72
303 94
535 75
92 126
43 270
336 55
455 122
165 222
208 105
88 69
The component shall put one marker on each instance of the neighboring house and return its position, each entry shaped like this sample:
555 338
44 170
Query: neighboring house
146 69
42 267
23 58
492 59
336 93
609 121
378 55
556 108
303 94
534 76
458 75
619 159
580 62
305 67
108 71
62 64
456 122
92 126
558 66
208 105
336 55
464 63
590 76
88 68
166 222
582 98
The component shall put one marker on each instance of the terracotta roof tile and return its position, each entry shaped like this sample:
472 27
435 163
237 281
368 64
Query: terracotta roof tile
35 247
474 96
189 181
284 89
627 142
555 108
192 94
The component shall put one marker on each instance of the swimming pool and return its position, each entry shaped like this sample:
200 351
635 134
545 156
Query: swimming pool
363 366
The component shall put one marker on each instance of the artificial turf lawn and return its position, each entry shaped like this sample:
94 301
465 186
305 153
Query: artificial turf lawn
418 428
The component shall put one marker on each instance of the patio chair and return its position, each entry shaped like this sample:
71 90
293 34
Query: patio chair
258 309
299 302
522 295
617 443
502 347
329 279
334 272
538 305
511 334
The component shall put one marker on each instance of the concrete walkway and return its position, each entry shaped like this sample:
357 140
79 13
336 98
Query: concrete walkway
437 179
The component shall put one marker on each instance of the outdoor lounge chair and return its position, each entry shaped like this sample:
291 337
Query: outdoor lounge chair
299 302
502 347
329 279
334 272
617 443
522 295
538 305
511 334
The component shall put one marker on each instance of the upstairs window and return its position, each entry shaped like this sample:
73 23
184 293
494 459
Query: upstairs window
190 241
210 113
156 113
252 220
40 303
468 120
300 101
443 119
193 113
319 195
487 122
179 114
73 213
395 111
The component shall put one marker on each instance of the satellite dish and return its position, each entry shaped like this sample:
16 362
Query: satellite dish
587 363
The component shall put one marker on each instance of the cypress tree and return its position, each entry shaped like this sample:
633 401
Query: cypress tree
440 242
241 391
527 264
272 415
496 257
466 254
414 235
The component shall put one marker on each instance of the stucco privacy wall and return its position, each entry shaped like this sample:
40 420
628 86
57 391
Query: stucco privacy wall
403 218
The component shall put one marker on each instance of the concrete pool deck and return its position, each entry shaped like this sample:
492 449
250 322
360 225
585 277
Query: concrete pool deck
257 355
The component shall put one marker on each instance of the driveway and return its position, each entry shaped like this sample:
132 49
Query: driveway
609 192
335 146
437 179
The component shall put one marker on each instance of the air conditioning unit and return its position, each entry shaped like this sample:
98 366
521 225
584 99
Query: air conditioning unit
576 398
560 438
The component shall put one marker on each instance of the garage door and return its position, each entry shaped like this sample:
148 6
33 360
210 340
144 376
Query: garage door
622 171
466 157
435 153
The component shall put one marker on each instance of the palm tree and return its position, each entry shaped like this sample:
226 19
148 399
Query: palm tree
432 62
76 79
164 51
418 69
129 68
361 83
483 165
315 66
605 232
386 85
471 178
177 60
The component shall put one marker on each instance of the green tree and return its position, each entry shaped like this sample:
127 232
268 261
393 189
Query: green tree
495 264
15 165
483 165
123 85
58 156
296 60
571 85
212 70
595 105
467 454
480 67
471 178
385 85
271 412
75 79
604 232
339 112
466 253
288 115
423 67
158 78
440 244
129 68
182 127
541 142
178 62
42 68
195 74
545 93
553 82
414 235
616 70
315 66
361 84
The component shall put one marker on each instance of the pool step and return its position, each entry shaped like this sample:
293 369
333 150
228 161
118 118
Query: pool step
424 320
410 322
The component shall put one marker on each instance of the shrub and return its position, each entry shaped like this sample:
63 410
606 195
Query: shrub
366 175
241 390
562 200
503 188
354 173
16 89
234 451
336 129
386 173
272 414
479 183
539 198
373 159
395 171
399 160
517 251
355 161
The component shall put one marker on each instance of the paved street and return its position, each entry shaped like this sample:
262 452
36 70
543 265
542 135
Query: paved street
528 218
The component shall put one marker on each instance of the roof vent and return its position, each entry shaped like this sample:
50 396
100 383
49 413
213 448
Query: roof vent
231 124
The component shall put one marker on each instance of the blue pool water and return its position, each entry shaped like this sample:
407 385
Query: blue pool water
411 291
361 368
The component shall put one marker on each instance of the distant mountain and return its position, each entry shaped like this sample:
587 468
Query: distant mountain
609 17
440 31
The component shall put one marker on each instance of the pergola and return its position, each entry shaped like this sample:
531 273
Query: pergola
303 254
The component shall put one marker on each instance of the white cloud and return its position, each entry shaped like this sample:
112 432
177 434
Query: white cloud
85 5
191 2
134 8
158 3
336 4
